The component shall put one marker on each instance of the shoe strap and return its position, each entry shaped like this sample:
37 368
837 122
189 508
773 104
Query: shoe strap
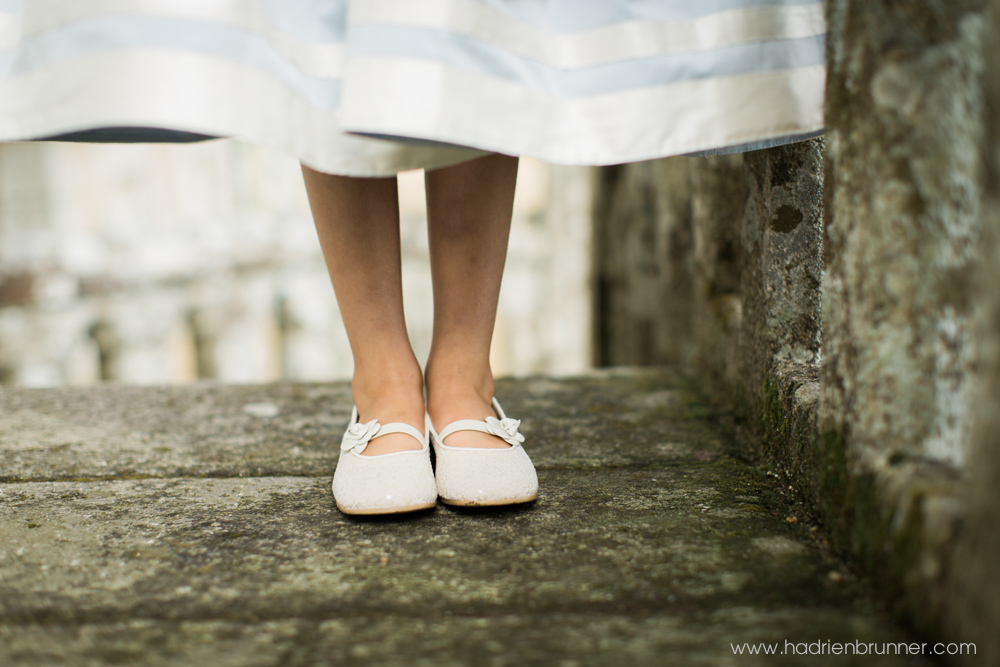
463 425
496 408
399 427
471 424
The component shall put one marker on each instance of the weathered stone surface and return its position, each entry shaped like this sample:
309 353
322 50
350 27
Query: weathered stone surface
904 184
757 264
215 431
868 415
681 538
662 550
774 344
699 639
202 430
782 240
973 608
752 267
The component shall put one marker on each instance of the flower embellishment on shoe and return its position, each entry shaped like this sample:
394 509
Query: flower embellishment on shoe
357 436
505 429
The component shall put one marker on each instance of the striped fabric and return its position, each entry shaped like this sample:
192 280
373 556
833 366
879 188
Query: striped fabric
371 87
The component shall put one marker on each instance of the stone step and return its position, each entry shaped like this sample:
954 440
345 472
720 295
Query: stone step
180 526
113 432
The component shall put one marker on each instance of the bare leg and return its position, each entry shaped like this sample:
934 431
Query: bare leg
357 220
469 209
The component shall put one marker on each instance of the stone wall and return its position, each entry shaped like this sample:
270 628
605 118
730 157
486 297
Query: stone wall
905 116
834 286
974 578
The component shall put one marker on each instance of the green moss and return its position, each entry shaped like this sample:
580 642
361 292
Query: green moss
772 419
832 481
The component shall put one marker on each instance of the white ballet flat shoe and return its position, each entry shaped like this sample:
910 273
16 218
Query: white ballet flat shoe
385 484
475 476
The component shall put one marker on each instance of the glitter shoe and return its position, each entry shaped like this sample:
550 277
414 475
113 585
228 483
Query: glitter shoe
474 476
385 484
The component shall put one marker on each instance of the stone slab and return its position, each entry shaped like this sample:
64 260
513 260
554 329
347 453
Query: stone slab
638 563
629 417
196 526
513 640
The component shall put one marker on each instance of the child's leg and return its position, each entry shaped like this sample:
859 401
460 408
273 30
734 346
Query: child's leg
469 208
357 220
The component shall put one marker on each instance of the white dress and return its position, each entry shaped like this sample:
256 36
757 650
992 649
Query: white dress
373 87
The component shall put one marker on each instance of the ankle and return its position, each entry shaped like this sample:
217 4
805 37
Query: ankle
450 380
399 384
451 397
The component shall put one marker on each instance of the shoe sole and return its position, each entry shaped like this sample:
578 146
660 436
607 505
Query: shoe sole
387 510
488 503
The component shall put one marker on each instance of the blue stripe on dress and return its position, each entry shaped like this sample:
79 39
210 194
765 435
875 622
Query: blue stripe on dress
154 32
309 20
472 55
567 16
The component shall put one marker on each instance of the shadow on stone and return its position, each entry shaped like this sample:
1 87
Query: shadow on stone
376 519
491 512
